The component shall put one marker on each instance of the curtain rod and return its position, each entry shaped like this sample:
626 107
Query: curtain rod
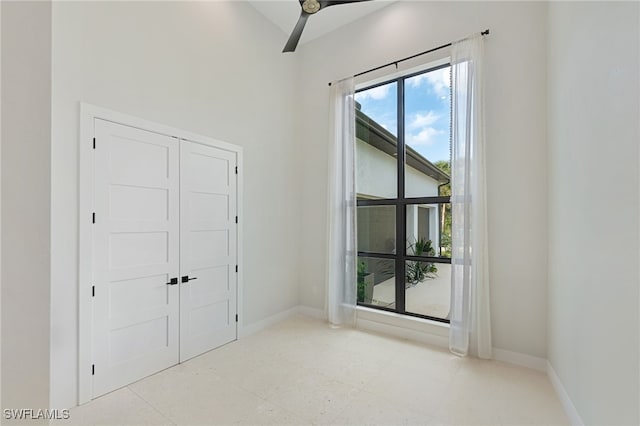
485 32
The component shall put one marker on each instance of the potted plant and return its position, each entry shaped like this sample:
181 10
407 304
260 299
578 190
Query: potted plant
365 284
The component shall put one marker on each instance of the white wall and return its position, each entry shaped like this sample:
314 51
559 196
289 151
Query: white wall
1 405
213 68
516 142
26 157
594 215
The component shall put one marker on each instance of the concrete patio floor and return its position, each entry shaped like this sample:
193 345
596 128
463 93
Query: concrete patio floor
430 297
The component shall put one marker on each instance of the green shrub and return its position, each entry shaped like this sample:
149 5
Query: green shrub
416 271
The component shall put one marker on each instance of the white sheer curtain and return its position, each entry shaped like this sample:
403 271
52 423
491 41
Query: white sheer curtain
470 328
341 275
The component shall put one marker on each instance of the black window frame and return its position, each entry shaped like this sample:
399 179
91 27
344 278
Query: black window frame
401 202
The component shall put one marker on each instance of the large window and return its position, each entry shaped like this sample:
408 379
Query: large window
403 129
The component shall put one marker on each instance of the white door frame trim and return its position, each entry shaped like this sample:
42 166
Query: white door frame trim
88 113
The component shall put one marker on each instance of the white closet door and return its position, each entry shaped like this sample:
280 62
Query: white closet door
136 253
208 248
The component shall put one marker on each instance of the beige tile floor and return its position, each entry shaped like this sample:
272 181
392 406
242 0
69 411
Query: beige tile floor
302 372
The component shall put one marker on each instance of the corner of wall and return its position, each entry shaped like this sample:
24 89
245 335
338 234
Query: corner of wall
565 400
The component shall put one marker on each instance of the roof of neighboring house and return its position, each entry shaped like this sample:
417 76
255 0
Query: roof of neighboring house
371 132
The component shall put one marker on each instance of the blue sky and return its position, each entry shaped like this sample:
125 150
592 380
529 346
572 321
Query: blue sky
427 112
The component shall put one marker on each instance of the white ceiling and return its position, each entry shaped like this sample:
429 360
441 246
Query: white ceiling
285 13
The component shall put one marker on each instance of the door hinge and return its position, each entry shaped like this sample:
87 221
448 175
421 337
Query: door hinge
236 219
93 217
236 317
94 143
236 268
93 291
93 369
236 169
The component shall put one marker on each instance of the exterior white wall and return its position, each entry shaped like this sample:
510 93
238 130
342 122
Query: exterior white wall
417 184
212 68
594 215
413 211
26 192
516 142
434 229
377 175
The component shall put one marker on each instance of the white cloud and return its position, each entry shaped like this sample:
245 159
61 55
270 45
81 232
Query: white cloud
421 130
417 80
439 80
423 120
377 93
426 136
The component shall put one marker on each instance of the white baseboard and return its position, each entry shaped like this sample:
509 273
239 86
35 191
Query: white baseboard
569 408
518 358
416 329
403 333
432 333
247 330
312 312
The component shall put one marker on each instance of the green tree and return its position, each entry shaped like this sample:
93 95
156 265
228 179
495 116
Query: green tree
445 166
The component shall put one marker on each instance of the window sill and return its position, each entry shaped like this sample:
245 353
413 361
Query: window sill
402 326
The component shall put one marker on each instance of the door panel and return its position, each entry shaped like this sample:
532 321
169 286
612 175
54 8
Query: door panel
206 207
133 248
132 204
208 248
136 249
146 295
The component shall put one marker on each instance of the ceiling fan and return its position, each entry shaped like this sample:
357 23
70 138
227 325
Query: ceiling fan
310 7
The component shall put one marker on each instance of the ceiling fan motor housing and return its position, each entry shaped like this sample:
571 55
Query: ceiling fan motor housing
311 6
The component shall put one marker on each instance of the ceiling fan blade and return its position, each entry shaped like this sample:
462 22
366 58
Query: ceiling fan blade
292 43
328 3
